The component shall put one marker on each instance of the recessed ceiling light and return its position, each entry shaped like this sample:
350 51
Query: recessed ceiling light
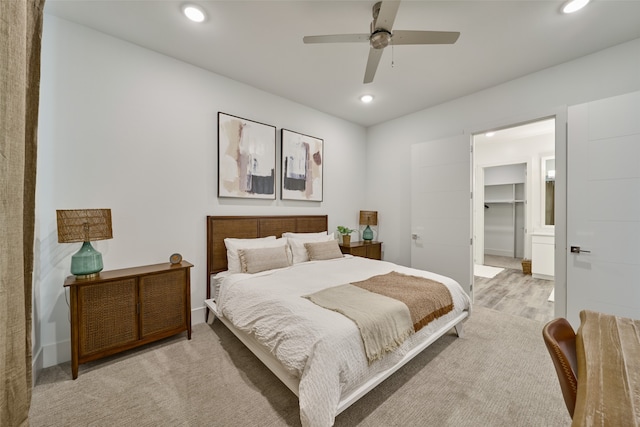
574 5
366 98
194 13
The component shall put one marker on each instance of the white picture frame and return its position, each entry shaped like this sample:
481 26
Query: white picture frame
246 158
302 164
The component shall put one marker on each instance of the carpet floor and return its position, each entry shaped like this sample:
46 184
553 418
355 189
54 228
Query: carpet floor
498 374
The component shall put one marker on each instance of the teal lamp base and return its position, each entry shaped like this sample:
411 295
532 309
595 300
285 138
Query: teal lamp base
367 234
87 262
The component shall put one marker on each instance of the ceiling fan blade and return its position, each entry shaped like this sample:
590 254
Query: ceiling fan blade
372 64
424 37
337 38
387 14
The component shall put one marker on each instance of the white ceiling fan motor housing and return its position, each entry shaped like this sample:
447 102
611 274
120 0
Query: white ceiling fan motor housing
380 39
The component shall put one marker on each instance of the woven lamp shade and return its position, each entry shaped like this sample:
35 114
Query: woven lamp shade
84 225
368 218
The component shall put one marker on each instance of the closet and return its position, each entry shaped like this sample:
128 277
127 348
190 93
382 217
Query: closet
504 210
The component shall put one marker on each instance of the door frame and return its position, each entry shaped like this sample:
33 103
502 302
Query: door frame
560 115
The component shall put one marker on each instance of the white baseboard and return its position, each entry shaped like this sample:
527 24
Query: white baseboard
197 315
56 353
498 252
36 366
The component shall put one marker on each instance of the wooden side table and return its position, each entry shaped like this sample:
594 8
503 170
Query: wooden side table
122 309
371 249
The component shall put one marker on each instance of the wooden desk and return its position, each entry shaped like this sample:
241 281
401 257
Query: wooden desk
608 353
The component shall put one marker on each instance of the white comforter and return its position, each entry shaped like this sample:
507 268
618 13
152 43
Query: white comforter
321 347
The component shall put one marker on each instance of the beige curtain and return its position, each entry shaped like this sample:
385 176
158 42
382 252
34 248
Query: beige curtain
20 40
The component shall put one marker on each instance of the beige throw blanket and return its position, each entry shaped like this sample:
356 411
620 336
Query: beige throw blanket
387 308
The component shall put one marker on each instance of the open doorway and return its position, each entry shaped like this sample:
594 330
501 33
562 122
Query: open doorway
513 240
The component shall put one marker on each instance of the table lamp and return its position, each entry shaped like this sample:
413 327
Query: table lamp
84 225
368 218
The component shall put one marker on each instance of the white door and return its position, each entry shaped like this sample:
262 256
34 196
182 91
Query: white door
441 208
603 207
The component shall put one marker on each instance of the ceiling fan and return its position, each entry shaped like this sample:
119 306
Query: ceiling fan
382 35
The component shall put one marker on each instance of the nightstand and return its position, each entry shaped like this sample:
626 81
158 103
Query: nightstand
122 309
371 249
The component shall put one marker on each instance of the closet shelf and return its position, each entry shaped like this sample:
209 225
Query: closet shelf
504 201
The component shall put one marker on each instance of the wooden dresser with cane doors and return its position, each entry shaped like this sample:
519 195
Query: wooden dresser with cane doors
121 309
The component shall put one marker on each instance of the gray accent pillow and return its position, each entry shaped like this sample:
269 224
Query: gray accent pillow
323 250
261 259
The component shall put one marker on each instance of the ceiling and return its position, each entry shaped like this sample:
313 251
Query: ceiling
260 43
516 133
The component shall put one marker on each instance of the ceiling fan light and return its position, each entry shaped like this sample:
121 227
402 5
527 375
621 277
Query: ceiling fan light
380 39
194 13
366 98
574 5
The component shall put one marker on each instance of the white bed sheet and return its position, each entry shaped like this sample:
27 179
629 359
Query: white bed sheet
320 347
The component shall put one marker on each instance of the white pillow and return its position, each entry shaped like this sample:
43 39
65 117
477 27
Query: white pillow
233 260
305 235
261 259
216 281
299 252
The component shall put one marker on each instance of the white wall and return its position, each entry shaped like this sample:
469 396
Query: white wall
610 72
607 73
126 128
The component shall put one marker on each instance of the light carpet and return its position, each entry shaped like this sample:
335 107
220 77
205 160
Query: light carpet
486 271
498 374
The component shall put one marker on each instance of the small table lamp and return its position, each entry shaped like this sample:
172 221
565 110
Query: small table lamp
84 225
368 218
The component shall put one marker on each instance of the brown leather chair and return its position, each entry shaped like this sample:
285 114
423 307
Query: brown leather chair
560 339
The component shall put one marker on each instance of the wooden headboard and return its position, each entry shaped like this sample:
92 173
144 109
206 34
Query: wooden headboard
251 227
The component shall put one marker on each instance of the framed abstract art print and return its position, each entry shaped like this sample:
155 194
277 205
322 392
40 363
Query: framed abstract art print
302 167
246 158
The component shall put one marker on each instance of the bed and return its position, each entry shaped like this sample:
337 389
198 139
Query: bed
317 353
